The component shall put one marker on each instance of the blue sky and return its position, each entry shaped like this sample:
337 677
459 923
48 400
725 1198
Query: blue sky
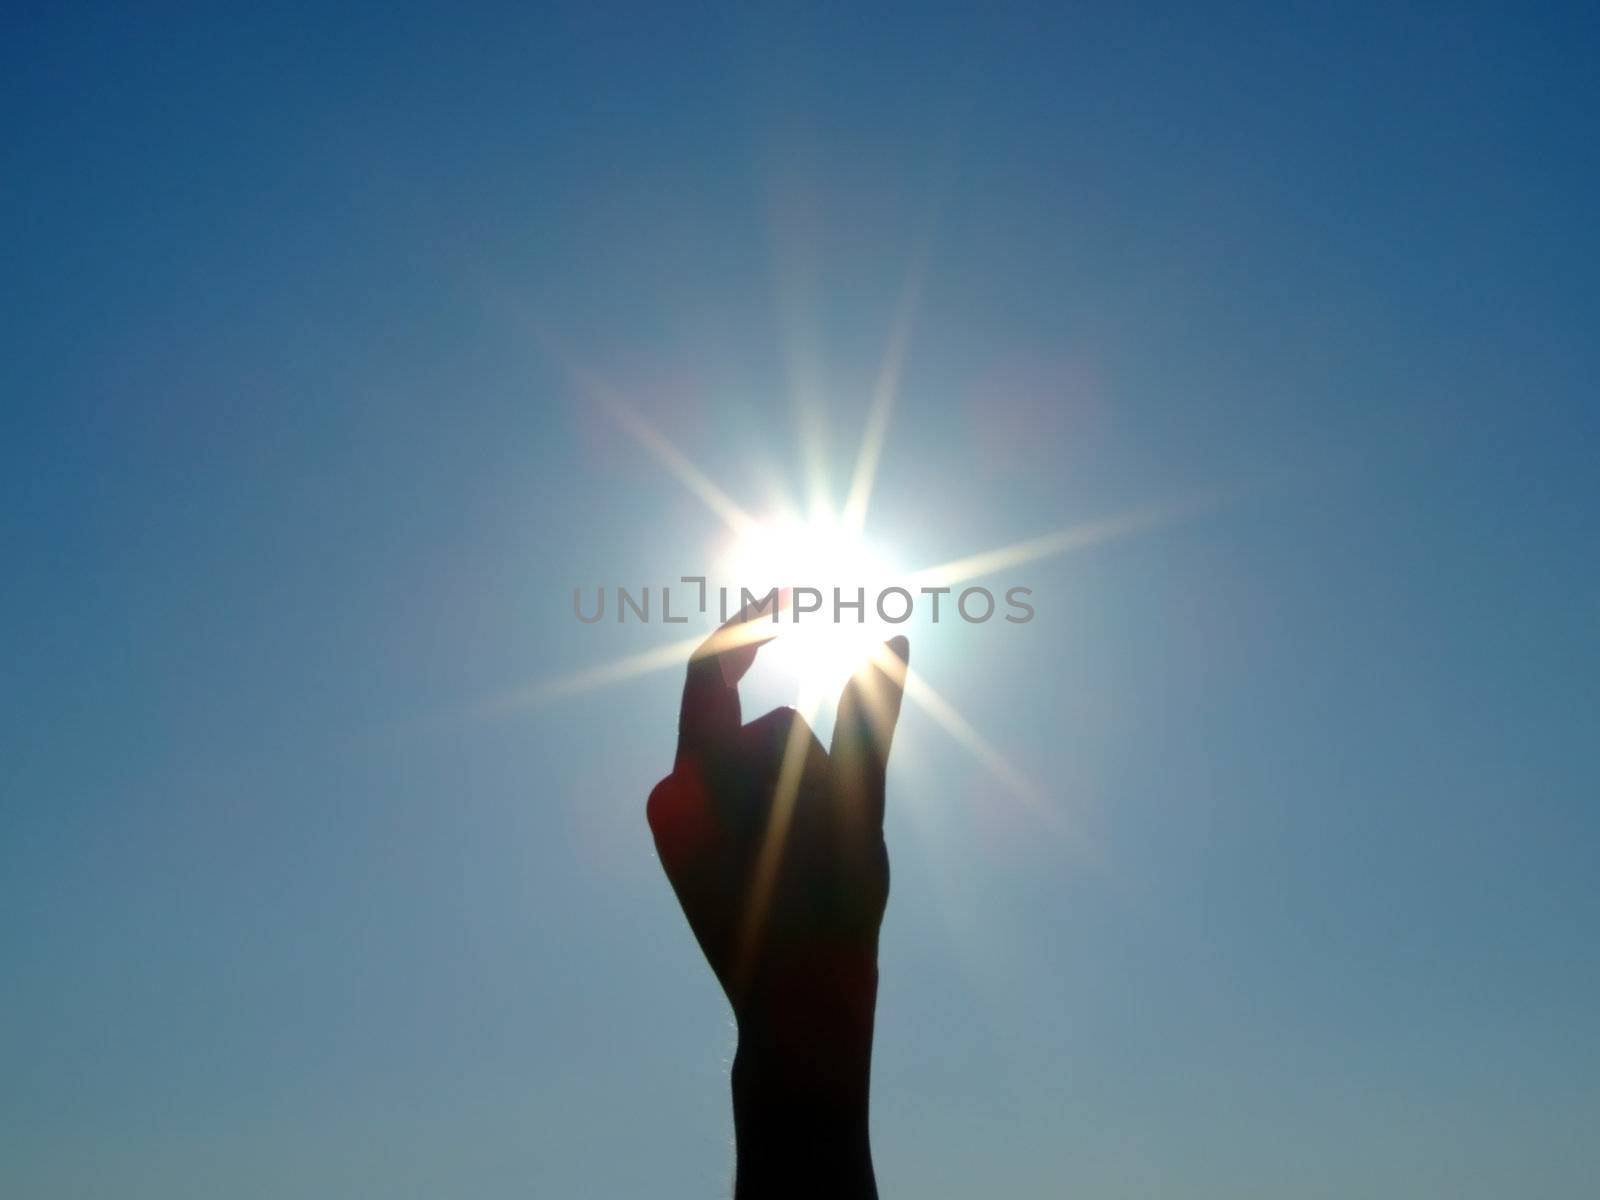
293 488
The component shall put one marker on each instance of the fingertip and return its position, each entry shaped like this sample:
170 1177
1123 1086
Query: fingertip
900 647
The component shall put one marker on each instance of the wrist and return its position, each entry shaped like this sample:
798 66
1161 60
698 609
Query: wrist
801 1079
808 991
802 1073
810 1017
801 1124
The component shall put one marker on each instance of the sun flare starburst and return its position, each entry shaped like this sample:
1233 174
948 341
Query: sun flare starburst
827 571
828 575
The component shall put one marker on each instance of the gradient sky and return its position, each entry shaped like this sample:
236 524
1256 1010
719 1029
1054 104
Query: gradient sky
293 489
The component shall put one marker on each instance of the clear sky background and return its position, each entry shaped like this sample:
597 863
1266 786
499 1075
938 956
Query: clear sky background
292 488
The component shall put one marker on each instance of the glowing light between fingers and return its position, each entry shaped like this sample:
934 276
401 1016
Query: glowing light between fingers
819 647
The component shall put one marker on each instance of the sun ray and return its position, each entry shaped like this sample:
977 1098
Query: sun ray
811 428
653 440
1075 537
675 461
923 695
883 398
794 232
618 670
875 695
779 817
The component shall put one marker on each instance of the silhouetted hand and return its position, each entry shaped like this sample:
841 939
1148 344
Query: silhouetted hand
775 850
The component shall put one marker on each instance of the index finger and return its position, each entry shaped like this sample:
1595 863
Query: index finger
710 712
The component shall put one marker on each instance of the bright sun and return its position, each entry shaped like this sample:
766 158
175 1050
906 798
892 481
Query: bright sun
830 623
818 645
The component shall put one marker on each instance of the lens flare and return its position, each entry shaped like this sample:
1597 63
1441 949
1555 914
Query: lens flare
831 576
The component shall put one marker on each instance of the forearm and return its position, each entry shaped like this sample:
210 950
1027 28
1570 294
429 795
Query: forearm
801 1079
801 1128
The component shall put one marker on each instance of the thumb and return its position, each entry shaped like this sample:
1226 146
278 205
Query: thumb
864 728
